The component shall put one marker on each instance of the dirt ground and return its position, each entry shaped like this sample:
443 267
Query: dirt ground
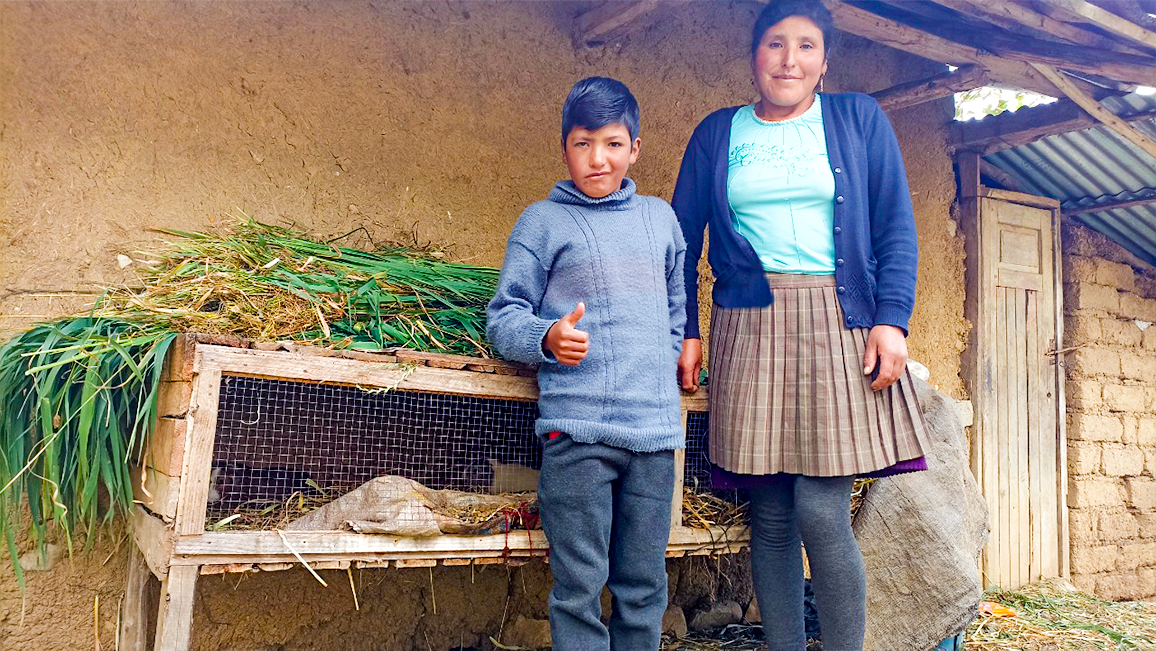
417 121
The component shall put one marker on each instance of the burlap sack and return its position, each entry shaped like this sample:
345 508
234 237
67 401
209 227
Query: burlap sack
921 535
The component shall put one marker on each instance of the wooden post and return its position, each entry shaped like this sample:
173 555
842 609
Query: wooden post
134 618
175 615
679 478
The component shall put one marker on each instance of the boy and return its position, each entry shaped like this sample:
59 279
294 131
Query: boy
592 291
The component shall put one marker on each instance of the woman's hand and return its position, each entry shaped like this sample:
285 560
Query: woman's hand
690 364
887 350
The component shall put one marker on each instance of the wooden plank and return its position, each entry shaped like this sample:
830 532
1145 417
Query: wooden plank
1008 537
166 448
1021 198
175 617
155 491
275 567
679 477
1037 461
1019 390
894 34
1051 506
452 562
154 539
1093 15
1060 410
989 350
1011 16
1110 119
1012 129
173 398
969 176
1117 66
944 84
610 19
228 568
415 562
1029 280
216 548
198 458
264 364
133 634
1006 178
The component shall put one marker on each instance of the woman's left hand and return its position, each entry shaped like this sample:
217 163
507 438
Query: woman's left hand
887 349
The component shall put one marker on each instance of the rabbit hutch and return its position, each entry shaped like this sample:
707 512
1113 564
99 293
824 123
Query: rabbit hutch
266 456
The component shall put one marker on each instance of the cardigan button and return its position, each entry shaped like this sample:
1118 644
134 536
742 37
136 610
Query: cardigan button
838 171
839 199
838 230
848 320
839 262
841 289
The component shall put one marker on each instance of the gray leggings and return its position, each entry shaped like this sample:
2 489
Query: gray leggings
817 511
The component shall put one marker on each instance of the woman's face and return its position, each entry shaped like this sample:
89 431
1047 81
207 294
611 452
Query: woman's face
787 65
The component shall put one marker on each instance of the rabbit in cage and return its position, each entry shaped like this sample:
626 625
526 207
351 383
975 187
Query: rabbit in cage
232 484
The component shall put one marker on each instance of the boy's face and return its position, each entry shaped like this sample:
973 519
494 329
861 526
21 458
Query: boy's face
598 160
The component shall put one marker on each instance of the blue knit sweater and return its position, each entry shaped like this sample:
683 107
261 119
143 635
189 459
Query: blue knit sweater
876 249
622 255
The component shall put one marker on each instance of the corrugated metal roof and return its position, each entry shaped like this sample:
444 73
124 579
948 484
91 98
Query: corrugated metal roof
1096 166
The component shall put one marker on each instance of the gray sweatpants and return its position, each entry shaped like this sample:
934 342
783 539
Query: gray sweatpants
606 513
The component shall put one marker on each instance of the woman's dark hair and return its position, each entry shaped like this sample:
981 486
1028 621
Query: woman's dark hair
778 10
596 102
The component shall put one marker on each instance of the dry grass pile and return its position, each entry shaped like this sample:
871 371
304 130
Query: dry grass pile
1050 617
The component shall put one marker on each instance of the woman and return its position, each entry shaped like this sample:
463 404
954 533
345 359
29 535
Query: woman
813 246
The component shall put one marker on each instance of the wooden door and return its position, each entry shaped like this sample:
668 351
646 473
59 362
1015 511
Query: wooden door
1018 448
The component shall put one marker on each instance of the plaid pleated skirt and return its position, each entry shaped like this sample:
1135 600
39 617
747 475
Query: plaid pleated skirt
788 394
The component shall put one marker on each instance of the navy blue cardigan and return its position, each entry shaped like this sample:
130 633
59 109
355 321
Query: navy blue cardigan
875 240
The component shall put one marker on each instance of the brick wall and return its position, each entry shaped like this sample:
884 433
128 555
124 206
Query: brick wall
1110 316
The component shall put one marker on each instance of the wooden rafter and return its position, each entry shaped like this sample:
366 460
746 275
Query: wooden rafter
1114 65
1016 17
1113 205
1110 119
926 90
1091 14
1009 180
1013 129
895 34
611 18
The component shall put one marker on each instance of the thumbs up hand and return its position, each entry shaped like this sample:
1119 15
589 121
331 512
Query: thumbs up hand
568 344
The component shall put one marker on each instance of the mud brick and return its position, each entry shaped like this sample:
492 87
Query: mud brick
1136 555
1084 394
1137 307
1119 397
1120 332
1114 526
1115 274
1080 329
1089 560
1127 586
1141 492
1090 361
1086 296
1122 462
1083 458
1082 526
1138 364
1093 427
1084 493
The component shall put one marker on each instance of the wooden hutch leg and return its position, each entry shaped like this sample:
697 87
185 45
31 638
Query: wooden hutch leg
134 618
175 617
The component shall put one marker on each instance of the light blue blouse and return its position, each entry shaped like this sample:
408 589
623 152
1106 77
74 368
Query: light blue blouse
781 190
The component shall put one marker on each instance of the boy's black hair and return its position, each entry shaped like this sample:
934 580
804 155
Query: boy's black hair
596 102
778 10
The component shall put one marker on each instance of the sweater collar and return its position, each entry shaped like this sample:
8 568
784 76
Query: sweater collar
568 193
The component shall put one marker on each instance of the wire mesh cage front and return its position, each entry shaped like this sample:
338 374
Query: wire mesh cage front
279 441
285 449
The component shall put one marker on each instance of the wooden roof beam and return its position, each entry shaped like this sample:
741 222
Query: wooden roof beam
1114 65
1016 17
1110 119
932 88
1016 128
929 46
610 19
1089 13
